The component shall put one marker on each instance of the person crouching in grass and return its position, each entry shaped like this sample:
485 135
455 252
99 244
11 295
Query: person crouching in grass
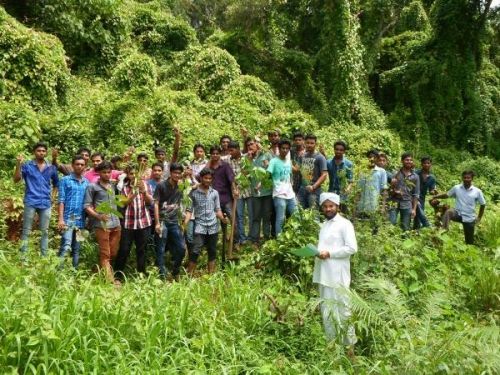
206 209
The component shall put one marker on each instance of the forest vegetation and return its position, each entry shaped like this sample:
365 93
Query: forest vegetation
420 76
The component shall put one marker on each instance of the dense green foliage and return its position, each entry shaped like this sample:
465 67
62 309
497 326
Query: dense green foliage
419 75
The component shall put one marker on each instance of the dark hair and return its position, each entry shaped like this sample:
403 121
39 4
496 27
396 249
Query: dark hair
249 139
340 143
468 172
142 155
372 152
77 157
157 165
284 142
116 158
206 171
234 144
104 165
130 167
298 135
97 154
176 167
224 137
197 146
215 148
426 158
311 136
273 131
406 155
40 145
382 154
159 150
83 149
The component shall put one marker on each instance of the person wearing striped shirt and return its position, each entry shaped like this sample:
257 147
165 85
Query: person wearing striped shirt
136 220
71 212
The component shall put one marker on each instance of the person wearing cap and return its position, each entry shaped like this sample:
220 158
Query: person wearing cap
332 272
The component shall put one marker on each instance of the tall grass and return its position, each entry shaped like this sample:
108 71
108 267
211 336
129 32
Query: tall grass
422 304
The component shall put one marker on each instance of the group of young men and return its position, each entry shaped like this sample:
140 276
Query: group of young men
177 206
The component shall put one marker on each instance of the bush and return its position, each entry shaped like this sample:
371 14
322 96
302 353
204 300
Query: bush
32 65
135 71
205 70
159 33
91 31
251 90
20 126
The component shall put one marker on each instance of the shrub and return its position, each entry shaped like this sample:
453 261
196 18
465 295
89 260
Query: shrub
250 90
159 33
91 31
20 126
205 70
32 64
135 71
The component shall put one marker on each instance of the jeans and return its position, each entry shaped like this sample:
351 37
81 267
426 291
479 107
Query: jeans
307 199
200 240
171 233
282 206
240 217
69 242
404 217
227 209
44 220
420 218
129 236
190 232
261 214
452 214
108 241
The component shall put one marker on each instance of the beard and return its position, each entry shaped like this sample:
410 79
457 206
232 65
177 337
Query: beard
330 215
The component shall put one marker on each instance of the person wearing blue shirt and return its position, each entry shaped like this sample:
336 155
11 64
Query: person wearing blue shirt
466 197
340 174
427 185
70 208
39 177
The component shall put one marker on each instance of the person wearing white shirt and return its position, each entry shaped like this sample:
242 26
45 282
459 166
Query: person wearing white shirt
466 197
332 270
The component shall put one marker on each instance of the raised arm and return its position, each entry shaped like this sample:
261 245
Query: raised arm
177 144
17 173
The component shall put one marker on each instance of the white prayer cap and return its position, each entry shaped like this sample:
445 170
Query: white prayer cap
332 197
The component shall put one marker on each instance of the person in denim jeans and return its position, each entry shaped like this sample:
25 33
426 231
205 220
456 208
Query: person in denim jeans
167 200
236 161
427 185
71 213
39 177
283 195
314 171
406 191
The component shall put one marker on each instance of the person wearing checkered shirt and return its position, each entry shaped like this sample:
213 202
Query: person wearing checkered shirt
136 220
206 208
70 208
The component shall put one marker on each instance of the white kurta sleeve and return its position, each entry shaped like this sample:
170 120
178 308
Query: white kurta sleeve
350 245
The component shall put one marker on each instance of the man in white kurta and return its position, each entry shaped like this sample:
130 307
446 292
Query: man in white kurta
332 271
